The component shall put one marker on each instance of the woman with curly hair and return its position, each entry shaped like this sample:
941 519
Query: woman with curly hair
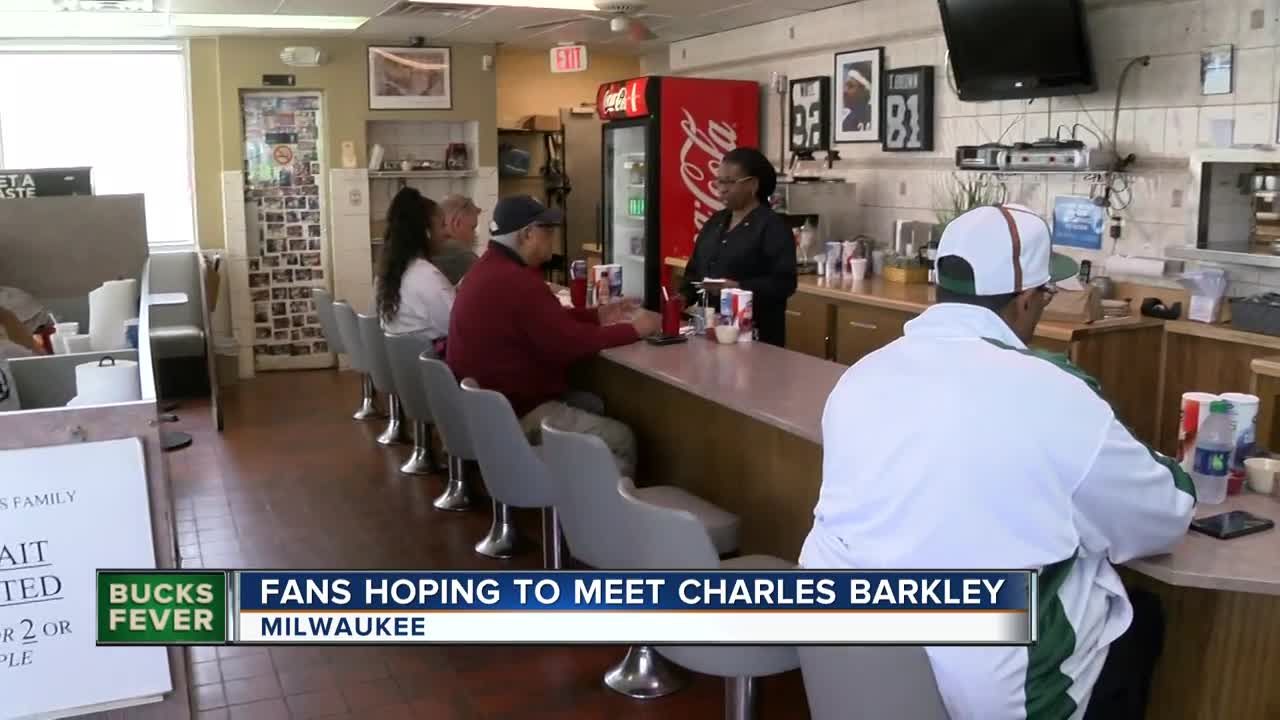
413 296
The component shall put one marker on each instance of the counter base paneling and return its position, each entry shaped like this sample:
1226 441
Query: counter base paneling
1221 651
767 476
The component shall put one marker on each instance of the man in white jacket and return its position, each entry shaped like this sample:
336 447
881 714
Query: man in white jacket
958 447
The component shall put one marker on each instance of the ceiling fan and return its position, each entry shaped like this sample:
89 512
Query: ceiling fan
624 16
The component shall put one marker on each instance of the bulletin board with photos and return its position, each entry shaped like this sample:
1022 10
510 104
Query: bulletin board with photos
283 175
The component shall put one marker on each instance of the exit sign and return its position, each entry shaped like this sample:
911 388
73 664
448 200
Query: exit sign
569 58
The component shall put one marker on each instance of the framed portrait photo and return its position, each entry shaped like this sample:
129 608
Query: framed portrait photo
857 116
908 109
810 114
410 78
1217 70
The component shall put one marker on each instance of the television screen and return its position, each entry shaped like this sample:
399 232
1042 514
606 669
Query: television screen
1011 49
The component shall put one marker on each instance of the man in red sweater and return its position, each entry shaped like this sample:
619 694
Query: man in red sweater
510 333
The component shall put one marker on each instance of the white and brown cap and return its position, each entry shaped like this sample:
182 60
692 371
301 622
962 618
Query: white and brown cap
1008 247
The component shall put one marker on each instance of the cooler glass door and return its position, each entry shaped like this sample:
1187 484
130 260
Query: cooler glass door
626 162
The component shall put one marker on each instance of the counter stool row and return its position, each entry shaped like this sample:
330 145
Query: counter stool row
607 523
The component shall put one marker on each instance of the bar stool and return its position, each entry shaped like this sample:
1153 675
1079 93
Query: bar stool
402 355
675 540
348 329
380 368
513 471
882 682
595 520
445 400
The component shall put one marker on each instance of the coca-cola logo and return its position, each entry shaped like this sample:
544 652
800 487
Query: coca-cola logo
699 171
626 99
616 101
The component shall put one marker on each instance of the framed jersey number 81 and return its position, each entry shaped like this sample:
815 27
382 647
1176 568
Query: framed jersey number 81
810 114
908 109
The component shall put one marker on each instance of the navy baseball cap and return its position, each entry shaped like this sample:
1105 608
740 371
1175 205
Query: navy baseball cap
520 211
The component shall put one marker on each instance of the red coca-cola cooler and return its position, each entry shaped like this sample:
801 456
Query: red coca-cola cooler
664 138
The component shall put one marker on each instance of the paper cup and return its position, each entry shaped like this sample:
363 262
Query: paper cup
1261 473
1195 410
1244 414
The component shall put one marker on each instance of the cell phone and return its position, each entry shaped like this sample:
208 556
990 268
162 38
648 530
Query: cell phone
665 340
1234 524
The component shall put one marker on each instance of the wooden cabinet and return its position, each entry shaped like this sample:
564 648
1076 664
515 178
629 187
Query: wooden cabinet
863 329
809 321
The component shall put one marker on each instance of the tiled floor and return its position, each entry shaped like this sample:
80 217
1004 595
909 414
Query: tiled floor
293 482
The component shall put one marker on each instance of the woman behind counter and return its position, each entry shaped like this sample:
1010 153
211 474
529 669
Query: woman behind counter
747 245
413 296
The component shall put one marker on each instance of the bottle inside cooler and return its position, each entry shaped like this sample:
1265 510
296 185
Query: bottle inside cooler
628 166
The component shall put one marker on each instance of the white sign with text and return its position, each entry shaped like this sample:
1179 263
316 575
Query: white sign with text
65 512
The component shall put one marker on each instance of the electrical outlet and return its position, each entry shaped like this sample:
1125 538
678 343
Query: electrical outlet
902 188
791 31
1257 19
1176 199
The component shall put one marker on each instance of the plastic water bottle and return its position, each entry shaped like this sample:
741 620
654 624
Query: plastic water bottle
1212 462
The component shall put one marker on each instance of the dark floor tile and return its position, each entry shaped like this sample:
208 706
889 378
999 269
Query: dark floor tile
436 709
316 704
310 679
246 666
291 658
250 689
274 709
219 714
372 695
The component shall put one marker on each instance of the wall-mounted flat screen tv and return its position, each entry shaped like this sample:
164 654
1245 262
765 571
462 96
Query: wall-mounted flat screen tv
1018 49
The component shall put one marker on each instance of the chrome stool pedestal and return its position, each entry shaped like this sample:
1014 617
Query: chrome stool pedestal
368 400
394 434
741 698
503 538
552 542
457 494
420 461
643 674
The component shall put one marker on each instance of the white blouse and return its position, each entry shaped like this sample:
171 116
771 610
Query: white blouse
426 299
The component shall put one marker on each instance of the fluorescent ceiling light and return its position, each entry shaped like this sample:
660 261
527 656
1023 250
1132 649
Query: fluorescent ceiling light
585 5
268 22
73 24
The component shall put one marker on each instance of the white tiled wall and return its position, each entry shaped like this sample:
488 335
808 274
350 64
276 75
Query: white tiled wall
1163 117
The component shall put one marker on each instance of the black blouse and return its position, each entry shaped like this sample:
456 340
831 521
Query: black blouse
759 254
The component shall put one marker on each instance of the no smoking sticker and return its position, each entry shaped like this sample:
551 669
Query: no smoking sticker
283 154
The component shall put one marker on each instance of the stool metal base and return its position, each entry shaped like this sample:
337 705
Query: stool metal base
419 462
457 495
503 538
643 674
741 698
171 440
368 401
394 434
552 541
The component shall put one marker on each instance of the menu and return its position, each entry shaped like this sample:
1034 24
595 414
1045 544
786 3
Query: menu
66 511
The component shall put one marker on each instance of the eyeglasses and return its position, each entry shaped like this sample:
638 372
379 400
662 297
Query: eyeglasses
727 182
1049 288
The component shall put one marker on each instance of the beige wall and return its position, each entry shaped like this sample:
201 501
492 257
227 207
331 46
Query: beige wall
1163 118
526 85
223 68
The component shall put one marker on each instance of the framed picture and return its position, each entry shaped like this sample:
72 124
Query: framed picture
1216 64
810 114
908 109
857 106
410 78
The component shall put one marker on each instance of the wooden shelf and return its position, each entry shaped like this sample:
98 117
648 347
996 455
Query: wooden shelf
421 174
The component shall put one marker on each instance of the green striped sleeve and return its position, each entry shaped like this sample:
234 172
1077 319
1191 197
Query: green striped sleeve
1047 686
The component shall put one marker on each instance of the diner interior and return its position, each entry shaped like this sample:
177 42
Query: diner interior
198 205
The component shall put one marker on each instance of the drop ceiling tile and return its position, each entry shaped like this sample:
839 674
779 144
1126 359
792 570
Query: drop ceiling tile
247 7
360 8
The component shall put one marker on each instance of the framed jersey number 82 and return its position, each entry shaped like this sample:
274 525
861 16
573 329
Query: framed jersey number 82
810 114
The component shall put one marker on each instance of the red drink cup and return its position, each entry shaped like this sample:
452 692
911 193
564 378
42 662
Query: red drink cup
672 311
578 292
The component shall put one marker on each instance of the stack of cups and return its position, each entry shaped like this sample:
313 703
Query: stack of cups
1244 418
835 260
62 331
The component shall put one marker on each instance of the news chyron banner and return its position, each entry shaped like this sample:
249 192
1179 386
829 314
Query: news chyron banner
711 607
